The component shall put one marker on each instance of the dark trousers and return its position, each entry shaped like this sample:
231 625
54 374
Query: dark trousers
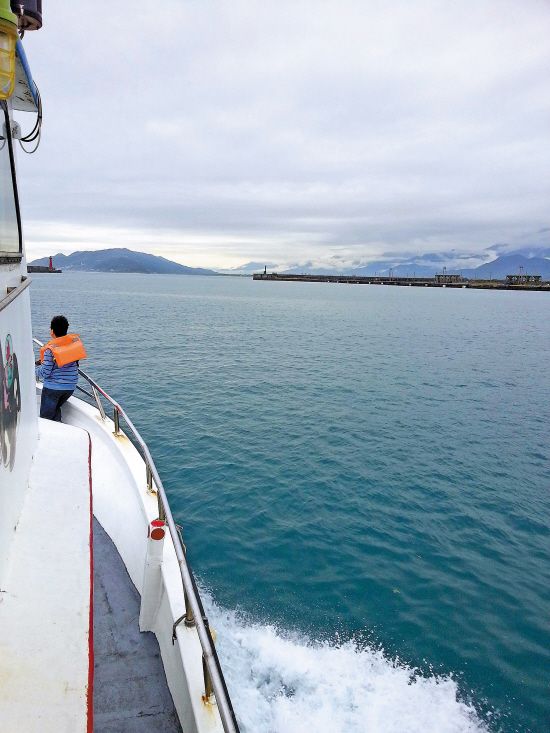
52 399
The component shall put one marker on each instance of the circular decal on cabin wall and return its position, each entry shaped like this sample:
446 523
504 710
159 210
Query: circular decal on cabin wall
10 402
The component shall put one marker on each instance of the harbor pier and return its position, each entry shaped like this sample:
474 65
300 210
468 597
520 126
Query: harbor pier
512 282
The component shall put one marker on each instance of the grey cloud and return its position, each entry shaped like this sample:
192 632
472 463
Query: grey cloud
304 127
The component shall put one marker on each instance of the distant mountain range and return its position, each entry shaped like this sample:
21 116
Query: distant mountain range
120 260
496 269
427 265
510 265
412 269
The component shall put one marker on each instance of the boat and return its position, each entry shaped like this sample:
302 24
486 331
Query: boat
102 627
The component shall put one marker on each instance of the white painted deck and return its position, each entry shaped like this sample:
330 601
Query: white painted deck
45 616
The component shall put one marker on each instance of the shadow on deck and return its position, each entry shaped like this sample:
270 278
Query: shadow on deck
130 690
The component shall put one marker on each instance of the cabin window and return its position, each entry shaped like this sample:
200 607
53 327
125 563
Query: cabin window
10 229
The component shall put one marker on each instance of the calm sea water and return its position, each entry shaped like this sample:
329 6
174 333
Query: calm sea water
363 478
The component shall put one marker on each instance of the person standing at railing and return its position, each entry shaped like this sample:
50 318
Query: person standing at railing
58 368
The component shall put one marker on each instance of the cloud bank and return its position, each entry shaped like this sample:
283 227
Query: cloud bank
214 133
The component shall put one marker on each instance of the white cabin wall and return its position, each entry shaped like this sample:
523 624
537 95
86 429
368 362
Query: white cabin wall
18 428
16 459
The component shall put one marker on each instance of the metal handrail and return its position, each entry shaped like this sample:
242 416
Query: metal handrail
194 611
14 293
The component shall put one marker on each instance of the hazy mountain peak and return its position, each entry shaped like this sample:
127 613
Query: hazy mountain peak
120 259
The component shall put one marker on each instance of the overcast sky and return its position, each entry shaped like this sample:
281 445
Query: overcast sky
215 133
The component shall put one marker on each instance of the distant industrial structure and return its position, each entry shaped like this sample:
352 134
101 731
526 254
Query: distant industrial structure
444 279
520 281
523 279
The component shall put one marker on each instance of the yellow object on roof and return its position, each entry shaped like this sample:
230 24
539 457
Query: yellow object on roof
8 39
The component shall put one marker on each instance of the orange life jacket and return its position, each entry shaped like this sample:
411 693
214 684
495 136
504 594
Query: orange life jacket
65 349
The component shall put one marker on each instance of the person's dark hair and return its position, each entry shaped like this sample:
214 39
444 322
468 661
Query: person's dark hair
59 325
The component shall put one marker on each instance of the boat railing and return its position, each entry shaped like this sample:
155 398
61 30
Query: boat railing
214 682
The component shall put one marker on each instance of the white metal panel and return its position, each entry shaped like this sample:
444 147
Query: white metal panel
18 416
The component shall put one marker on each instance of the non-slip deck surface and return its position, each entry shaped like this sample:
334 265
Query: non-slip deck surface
130 690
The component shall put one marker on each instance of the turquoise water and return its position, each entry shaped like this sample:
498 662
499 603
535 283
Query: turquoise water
363 478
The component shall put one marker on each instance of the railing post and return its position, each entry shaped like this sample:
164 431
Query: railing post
162 513
208 686
149 477
116 420
188 616
98 403
189 619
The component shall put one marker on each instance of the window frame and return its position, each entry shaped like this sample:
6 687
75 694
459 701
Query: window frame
7 257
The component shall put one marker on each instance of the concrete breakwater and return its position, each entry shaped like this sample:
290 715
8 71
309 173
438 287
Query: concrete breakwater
41 268
438 281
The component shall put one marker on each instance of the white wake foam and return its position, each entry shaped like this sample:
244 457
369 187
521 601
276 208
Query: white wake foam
286 684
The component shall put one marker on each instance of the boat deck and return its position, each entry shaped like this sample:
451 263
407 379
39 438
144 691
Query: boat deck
130 690
45 620
47 661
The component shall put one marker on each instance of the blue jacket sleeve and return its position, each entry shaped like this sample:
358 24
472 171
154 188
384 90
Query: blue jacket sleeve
45 369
